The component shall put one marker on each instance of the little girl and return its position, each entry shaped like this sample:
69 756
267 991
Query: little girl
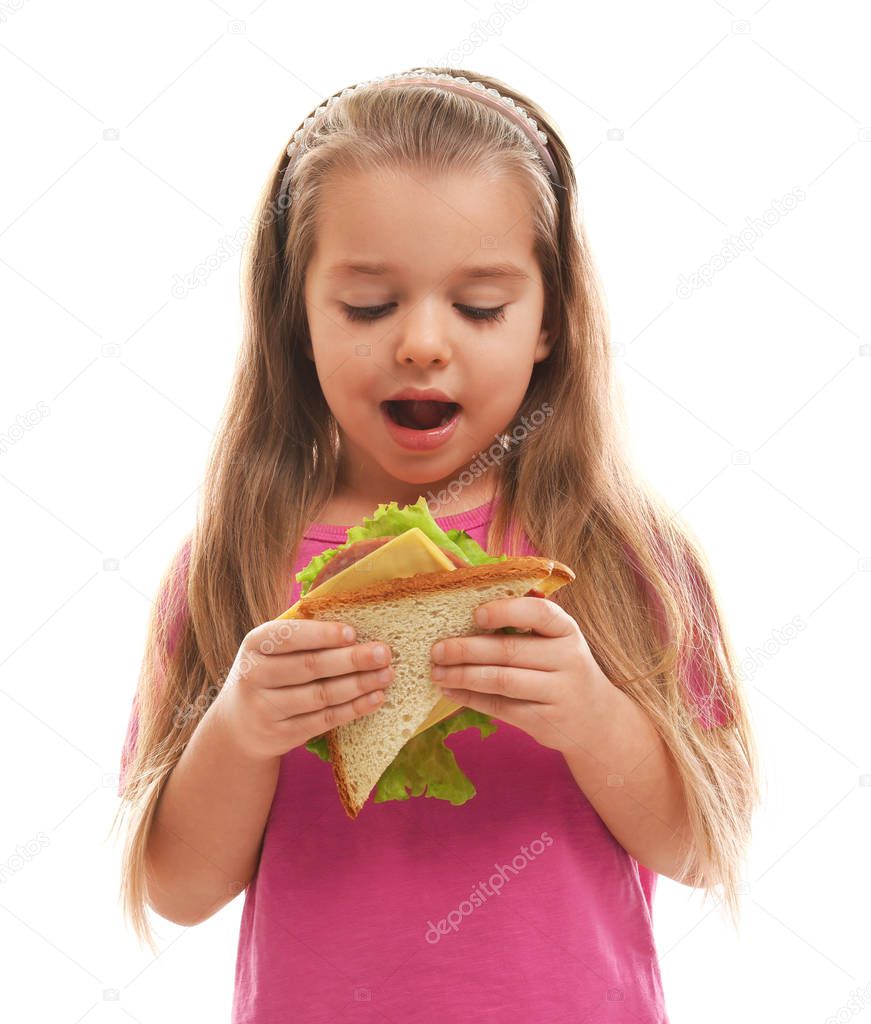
417 243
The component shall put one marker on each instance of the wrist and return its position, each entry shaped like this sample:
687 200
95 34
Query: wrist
599 701
229 739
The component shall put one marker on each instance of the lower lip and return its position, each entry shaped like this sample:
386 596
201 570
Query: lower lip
420 440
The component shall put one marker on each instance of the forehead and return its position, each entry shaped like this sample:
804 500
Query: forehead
379 224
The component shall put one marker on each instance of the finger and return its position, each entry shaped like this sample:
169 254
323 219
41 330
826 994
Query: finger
529 717
506 709
270 640
316 722
322 695
542 616
517 683
283 636
309 666
305 666
492 649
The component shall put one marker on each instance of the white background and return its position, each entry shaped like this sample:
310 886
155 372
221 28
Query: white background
746 400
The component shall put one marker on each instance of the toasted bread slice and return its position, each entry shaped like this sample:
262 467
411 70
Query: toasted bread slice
410 614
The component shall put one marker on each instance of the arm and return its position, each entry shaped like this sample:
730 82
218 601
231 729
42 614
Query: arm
204 841
627 773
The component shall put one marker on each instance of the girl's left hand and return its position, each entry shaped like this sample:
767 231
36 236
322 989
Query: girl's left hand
546 682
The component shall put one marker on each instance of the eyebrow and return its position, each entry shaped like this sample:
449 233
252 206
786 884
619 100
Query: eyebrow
379 269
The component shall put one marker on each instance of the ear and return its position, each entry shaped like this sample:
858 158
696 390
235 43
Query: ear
545 345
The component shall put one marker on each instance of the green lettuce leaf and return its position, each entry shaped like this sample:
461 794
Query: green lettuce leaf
425 766
318 745
390 520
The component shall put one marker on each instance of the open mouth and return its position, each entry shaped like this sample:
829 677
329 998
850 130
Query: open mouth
416 415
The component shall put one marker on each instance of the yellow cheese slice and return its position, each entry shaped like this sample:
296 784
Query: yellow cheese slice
550 584
407 554
444 708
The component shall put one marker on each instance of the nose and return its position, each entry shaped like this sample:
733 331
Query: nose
423 334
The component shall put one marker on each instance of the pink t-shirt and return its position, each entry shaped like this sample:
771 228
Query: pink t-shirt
517 906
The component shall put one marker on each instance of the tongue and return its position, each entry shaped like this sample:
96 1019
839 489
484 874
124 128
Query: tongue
422 415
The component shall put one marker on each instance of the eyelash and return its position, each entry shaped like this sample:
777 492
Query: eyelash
474 313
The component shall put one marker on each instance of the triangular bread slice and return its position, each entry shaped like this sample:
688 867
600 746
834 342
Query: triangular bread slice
410 614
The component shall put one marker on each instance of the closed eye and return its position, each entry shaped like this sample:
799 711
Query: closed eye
471 312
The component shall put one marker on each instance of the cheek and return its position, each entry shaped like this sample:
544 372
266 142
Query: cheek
333 348
501 365
348 379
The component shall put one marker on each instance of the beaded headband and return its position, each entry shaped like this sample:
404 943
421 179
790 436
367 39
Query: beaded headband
456 83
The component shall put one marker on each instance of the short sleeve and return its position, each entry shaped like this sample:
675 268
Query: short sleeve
172 608
705 700
708 702
129 743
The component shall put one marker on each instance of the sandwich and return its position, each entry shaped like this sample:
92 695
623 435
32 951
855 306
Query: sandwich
404 581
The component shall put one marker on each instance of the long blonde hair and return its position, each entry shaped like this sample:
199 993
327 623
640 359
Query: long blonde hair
643 596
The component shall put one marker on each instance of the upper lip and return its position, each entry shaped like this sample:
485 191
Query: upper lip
420 395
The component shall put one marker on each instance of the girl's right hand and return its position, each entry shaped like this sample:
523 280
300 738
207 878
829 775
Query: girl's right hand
293 679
